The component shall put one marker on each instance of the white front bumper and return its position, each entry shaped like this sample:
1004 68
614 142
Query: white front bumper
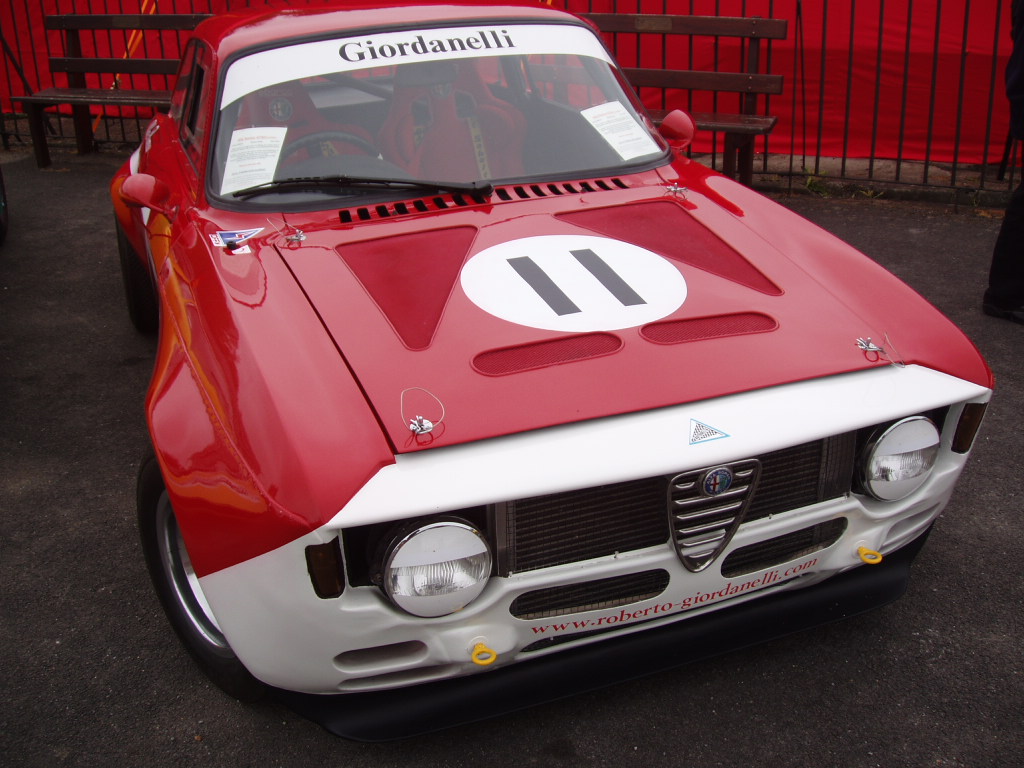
292 639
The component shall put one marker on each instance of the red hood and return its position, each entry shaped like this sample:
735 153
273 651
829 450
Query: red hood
404 294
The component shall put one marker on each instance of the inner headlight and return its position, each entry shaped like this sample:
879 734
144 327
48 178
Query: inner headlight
901 459
437 569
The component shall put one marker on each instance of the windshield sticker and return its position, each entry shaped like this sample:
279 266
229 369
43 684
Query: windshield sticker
252 157
293 62
573 283
621 130
234 240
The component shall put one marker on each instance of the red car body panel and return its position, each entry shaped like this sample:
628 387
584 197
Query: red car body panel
367 318
309 359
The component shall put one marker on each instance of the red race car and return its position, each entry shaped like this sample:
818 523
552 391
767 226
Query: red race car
472 390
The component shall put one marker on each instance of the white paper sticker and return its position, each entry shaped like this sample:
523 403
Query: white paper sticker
252 157
621 130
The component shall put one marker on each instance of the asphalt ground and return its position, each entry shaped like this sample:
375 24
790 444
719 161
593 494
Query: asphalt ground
91 674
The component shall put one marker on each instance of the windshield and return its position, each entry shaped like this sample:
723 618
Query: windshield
460 105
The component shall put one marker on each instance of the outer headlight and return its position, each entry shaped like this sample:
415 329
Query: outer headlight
901 459
438 569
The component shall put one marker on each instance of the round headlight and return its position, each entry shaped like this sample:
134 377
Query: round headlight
901 459
437 569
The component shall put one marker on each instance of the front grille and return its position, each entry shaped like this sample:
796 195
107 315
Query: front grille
782 549
602 521
561 528
579 525
706 506
590 595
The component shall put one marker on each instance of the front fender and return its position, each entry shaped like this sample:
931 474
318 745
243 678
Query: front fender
261 432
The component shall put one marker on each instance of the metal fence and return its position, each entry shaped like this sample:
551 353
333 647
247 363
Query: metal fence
882 93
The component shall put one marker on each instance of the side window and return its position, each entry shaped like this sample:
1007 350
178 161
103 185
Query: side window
193 86
181 85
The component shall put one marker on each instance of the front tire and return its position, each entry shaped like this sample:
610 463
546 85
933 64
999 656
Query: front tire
177 586
4 214
139 294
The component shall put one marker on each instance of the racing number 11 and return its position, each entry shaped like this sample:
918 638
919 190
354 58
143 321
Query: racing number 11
556 298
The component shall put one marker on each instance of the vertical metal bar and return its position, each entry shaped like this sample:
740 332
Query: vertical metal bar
749 100
690 64
906 87
960 94
46 43
714 97
993 88
118 112
821 87
934 88
799 86
849 88
878 89
765 140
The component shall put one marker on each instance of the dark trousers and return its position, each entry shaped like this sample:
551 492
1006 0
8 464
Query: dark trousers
1006 277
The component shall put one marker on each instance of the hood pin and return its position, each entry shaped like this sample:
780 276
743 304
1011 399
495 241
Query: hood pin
420 425
874 352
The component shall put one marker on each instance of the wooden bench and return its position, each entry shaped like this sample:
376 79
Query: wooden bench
740 128
75 64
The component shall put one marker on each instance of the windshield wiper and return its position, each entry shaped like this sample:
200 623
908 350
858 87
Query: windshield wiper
474 188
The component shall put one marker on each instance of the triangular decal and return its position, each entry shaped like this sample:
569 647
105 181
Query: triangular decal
411 277
702 433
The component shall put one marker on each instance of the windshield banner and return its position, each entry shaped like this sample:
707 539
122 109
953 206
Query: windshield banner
292 62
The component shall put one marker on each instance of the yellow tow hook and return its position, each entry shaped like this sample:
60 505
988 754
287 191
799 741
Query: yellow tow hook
869 556
483 656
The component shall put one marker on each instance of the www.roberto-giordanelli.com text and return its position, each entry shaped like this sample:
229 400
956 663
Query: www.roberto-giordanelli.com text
730 589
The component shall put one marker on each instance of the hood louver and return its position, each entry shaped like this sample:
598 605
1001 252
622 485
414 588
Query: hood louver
505 194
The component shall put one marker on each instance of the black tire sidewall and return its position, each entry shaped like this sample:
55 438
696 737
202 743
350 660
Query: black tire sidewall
139 294
220 664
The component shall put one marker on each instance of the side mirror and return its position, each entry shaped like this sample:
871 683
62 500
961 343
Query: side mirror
678 129
141 190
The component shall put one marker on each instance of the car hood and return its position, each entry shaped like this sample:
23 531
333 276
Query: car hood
464 321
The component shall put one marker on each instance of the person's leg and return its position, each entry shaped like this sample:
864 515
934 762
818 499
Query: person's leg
1005 295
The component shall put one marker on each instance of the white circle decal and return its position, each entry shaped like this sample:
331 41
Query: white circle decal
573 283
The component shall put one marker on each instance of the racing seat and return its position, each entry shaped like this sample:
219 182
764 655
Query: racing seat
444 124
289 105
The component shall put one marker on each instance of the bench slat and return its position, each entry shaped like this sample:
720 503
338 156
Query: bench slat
115 66
725 122
145 21
696 80
111 96
712 26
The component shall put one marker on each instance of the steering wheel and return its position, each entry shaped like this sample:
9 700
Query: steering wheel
310 139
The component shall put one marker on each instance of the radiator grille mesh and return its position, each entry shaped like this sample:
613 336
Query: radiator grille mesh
579 525
781 549
568 527
591 595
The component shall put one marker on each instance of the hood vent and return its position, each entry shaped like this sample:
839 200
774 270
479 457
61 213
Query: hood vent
504 194
527 357
702 328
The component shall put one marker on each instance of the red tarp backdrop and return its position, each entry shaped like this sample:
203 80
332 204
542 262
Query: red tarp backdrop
914 79
864 78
